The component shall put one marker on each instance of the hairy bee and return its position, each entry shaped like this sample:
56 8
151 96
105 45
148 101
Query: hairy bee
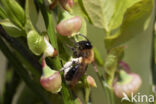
84 49
83 55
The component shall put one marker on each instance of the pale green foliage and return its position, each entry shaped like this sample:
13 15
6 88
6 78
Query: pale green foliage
14 12
119 18
100 11
135 20
12 29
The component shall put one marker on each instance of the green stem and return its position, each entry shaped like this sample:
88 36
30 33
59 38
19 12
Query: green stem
109 94
108 91
104 86
112 96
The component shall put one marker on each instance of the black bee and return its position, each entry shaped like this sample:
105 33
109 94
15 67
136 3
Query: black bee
83 55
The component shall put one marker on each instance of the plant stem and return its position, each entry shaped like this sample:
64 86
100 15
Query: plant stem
108 91
112 96
104 86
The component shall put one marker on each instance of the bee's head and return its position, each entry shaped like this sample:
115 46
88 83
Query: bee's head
82 45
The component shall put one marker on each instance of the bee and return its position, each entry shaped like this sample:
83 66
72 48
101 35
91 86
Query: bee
83 55
84 49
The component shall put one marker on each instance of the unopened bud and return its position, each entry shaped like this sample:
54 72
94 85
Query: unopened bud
50 79
91 82
39 44
50 50
36 42
129 83
69 26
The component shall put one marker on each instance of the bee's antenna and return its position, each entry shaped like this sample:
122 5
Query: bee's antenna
84 37
70 47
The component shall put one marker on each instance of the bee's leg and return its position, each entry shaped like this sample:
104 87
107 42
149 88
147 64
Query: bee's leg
70 63
70 47
73 91
67 65
95 66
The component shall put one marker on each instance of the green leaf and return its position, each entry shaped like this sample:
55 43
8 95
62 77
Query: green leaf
78 9
2 13
11 29
40 25
136 20
83 29
100 11
17 11
31 12
13 12
110 14
119 11
83 10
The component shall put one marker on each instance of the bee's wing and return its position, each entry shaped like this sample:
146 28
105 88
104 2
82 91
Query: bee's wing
78 74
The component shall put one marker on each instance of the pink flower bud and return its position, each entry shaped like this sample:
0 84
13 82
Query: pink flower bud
69 26
67 4
51 79
128 84
52 83
91 82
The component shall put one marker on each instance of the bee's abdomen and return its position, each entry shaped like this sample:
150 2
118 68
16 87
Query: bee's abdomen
70 74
